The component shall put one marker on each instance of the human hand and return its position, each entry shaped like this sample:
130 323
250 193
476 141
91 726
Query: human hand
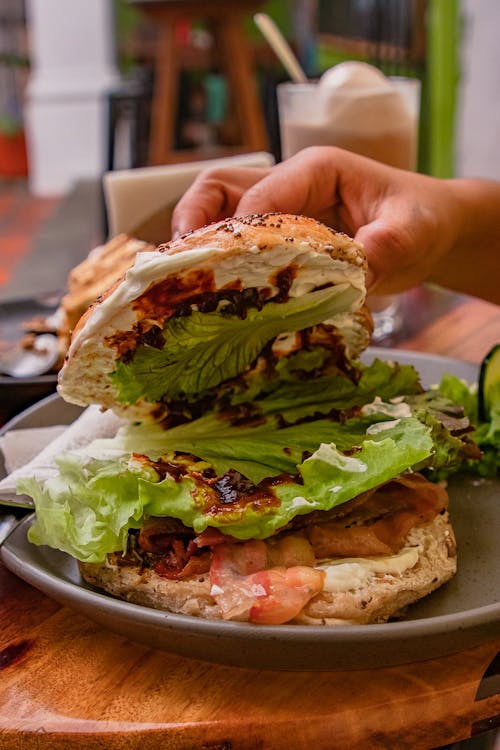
387 210
409 224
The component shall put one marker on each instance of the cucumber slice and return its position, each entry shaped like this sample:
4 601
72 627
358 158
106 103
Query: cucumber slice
489 383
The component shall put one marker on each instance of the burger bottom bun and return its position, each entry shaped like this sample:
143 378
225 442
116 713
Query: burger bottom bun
387 596
381 598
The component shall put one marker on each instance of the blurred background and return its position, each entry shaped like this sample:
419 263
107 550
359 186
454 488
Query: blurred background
100 86
77 79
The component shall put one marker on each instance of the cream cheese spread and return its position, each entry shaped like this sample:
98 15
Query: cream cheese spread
348 574
312 270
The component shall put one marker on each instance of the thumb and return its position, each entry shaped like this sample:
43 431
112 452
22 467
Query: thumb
391 258
371 238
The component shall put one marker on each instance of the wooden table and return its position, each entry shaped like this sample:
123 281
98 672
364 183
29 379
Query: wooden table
67 683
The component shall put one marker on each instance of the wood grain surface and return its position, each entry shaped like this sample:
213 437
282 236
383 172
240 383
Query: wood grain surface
67 683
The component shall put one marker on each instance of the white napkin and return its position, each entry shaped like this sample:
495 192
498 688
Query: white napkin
31 452
133 195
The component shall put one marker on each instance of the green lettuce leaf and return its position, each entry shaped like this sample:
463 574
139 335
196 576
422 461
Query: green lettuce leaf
89 507
103 490
204 349
285 423
295 398
461 393
487 434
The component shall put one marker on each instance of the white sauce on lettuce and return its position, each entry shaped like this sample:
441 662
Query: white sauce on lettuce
377 427
330 455
396 409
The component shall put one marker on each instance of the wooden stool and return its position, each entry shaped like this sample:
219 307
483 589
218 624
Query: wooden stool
234 55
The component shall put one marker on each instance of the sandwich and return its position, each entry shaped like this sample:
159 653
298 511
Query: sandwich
261 471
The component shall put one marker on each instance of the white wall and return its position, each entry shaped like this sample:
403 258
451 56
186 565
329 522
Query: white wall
478 112
72 67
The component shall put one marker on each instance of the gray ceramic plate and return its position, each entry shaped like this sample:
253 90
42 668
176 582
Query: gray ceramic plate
463 613
19 393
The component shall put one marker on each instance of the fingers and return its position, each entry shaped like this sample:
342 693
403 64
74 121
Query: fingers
214 195
304 184
400 248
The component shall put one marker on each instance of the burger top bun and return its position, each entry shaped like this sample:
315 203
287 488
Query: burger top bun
224 270
266 232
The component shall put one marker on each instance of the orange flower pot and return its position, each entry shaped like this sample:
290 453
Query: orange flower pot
13 157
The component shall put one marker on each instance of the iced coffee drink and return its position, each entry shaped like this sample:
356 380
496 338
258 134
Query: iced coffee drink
356 107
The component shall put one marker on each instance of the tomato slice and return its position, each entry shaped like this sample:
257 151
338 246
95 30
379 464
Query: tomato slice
245 589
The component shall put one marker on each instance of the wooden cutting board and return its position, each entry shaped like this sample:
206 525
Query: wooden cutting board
67 683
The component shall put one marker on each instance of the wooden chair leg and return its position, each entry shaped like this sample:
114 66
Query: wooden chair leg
236 56
165 96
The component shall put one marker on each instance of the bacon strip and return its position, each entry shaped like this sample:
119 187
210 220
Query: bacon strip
409 501
269 582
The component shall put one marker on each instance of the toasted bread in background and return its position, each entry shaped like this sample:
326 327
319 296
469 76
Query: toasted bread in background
86 282
97 273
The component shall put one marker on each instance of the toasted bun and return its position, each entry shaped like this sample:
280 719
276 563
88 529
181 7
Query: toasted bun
262 253
380 598
387 596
